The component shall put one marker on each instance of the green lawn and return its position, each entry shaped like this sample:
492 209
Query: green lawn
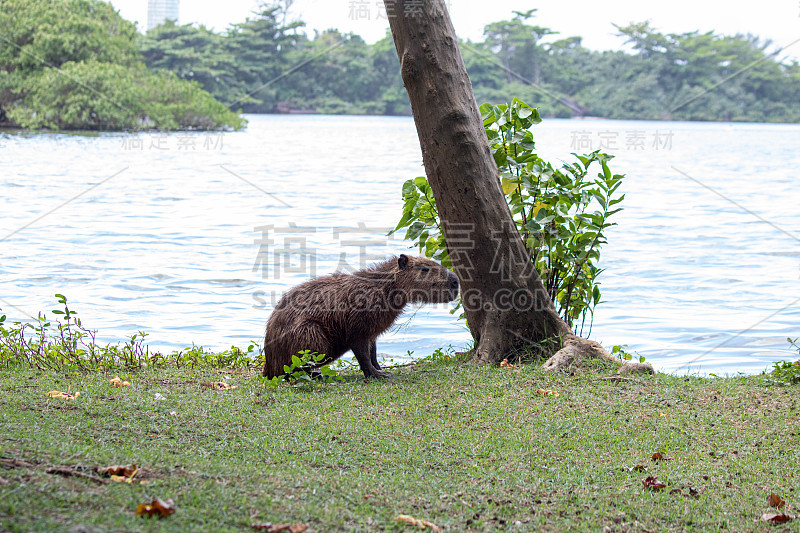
468 448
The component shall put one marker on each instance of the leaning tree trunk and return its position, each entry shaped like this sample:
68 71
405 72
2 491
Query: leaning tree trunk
507 307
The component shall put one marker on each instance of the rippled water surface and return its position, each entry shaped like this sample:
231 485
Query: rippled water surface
179 235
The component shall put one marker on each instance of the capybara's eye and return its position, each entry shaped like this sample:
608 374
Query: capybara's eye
424 269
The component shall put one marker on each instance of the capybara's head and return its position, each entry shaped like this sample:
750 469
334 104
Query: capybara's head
425 281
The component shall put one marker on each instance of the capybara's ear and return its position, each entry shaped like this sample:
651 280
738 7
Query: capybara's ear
402 261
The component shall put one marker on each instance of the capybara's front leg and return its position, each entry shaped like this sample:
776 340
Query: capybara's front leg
363 352
373 354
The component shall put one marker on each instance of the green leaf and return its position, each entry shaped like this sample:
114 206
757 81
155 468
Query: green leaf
561 179
509 185
414 230
407 216
606 171
615 201
431 245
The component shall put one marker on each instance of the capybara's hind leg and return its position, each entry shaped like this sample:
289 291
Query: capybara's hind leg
309 336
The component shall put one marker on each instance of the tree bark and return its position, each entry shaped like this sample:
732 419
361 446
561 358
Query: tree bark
507 308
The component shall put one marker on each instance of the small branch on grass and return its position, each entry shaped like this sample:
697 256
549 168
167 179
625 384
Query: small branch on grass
68 472
15 463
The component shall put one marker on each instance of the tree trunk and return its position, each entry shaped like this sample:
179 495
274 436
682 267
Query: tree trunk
508 309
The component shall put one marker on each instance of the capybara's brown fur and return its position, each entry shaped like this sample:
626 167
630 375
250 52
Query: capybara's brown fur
333 314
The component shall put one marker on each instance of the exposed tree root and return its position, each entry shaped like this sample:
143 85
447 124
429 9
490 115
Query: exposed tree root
577 349
635 368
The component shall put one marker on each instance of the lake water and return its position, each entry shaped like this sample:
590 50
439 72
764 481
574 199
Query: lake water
192 237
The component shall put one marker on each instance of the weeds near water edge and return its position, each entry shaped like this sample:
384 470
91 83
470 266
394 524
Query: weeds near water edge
621 351
65 344
787 372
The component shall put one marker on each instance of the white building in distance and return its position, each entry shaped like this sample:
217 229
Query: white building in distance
160 10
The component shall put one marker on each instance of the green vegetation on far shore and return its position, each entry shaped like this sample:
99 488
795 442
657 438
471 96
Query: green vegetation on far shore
467 448
75 65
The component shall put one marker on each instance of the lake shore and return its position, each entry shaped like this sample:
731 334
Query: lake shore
468 448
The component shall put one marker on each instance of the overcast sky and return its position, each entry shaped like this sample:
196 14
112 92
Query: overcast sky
778 20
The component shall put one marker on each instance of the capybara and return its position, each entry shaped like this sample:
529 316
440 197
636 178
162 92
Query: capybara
333 314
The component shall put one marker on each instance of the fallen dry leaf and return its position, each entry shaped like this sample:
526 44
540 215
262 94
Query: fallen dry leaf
158 507
776 501
274 528
546 392
220 385
116 382
652 483
658 456
417 522
120 474
503 364
63 395
117 470
776 518
637 468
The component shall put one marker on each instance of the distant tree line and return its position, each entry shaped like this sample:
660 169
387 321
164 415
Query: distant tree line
265 65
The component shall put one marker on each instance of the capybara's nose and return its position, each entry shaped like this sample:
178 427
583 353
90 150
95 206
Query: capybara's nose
453 281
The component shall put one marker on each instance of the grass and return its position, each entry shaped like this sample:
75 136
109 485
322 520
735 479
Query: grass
468 448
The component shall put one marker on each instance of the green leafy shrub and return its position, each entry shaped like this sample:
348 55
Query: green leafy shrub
561 213
305 366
